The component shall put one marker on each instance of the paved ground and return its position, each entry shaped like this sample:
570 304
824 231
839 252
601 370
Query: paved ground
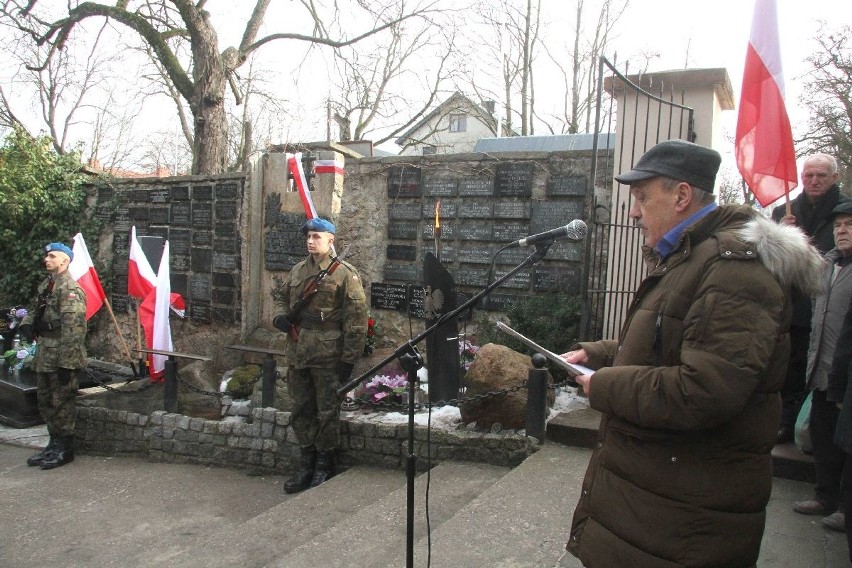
69 517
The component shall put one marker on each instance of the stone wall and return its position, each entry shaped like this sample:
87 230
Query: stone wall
268 442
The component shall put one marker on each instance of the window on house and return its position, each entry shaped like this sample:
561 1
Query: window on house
458 123
429 150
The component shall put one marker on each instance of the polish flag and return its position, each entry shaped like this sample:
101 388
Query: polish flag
329 167
154 316
294 164
83 271
764 141
140 276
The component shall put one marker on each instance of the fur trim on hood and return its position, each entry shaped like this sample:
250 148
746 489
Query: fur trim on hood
786 253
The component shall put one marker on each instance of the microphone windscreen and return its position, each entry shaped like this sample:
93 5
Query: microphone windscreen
577 230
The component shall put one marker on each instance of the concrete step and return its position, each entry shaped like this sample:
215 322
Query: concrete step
521 520
298 519
375 536
579 428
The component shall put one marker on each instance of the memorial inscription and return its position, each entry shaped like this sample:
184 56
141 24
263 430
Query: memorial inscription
440 187
513 179
404 181
476 188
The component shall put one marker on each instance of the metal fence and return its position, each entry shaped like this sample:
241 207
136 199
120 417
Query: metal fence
641 114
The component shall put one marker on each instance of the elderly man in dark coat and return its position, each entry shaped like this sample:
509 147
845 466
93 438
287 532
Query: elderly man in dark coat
682 470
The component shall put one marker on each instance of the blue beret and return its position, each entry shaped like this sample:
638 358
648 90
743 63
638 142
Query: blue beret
318 224
59 247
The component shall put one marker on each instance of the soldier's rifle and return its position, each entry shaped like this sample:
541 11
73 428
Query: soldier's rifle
311 289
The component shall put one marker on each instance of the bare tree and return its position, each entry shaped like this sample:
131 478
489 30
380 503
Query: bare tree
580 74
402 77
828 96
202 81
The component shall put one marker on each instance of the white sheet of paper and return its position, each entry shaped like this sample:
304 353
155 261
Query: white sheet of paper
573 368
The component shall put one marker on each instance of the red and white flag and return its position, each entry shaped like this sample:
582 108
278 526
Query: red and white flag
154 316
329 167
294 164
83 271
764 142
140 276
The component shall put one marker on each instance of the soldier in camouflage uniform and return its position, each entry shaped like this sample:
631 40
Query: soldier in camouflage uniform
331 330
59 327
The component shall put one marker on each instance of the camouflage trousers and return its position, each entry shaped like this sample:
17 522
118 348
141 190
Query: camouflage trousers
56 403
316 407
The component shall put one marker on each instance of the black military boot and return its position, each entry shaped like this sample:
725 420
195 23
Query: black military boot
325 468
63 453
39 458
302 479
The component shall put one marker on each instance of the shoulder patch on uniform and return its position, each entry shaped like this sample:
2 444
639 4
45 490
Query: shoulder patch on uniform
72 295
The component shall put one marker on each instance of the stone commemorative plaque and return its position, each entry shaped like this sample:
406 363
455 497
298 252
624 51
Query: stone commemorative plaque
139 213
416 301
566 250
476 231
180 214
199 311
138 195
179 263
223 261
404 181
104 213
225 229
512 210
226 210
202 192
474 210
282 249
548 215
557 279
476 187
121 222
179 284
202 215
501 302
200 287
470 276
476 253
226 297
448 210
448 252
160 195
201 260
202 238
567 186
409 211
402 272
226 244
227 191
405 230
514 256
159 215
520 280
401 252
510 230
180 193
448 230
440 187
224 280
121 249
513 179
386 296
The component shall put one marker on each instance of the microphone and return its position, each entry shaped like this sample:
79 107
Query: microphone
575 231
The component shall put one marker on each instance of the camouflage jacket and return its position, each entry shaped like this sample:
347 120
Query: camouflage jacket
333 325
65 311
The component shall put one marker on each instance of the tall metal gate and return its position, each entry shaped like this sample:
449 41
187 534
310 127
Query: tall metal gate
641 113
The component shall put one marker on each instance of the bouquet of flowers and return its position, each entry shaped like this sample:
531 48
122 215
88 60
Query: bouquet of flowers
12 319
467 353
20 358
385 388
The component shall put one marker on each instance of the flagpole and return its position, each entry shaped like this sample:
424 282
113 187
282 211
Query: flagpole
118 331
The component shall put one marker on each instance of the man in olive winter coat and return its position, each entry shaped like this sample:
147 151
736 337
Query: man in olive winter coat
59 327
682 471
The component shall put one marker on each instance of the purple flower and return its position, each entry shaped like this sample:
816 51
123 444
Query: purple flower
21 313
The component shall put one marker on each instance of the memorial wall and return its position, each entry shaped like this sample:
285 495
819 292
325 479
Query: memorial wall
200 219
481 210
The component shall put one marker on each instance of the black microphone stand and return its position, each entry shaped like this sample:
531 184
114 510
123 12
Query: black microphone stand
411 361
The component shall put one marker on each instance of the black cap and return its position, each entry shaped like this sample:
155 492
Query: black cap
679 160
844 208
